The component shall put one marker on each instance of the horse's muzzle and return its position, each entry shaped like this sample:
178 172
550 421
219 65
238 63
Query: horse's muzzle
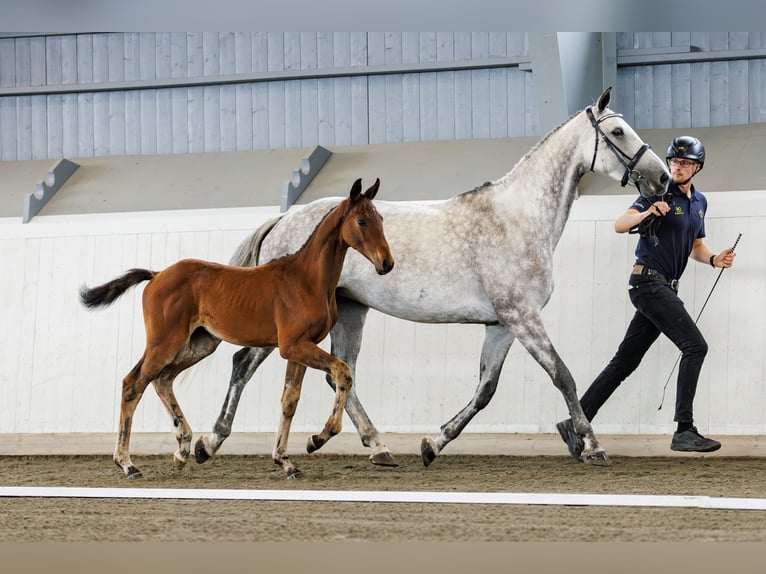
649 188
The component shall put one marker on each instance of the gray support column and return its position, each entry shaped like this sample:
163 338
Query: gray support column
570 69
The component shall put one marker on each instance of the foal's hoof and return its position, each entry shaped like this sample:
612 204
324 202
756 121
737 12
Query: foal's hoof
294 475
596 458
200 452
383 459
427 451
314 443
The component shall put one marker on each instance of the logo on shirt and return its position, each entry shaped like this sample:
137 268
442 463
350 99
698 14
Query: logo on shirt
679 211
701 214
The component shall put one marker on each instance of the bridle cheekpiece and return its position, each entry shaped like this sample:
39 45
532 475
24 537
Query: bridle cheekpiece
629 163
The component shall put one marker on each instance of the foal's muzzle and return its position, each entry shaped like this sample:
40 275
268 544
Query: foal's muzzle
386 267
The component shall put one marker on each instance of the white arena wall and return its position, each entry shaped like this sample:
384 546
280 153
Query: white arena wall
61 366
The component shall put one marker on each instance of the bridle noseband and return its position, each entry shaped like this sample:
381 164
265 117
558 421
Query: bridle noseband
627 162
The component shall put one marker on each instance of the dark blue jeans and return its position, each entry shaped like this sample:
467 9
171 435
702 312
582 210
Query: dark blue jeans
658 310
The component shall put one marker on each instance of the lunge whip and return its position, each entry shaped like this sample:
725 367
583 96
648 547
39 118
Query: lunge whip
695 322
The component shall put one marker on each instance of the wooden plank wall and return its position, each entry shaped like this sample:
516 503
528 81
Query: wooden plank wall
299 113
61 366
333 111
701 94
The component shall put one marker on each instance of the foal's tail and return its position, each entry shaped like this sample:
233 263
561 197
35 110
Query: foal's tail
248 251
108 293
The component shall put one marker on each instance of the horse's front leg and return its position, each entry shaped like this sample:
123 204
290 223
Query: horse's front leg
346 342
244 364
532 334
291 394
497 340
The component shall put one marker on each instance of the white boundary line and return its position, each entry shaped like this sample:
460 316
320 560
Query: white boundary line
718 503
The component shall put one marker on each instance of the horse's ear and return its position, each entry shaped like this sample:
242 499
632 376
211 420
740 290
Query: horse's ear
356 190
372 191
603 100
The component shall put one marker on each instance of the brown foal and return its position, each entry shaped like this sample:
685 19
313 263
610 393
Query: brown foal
191 306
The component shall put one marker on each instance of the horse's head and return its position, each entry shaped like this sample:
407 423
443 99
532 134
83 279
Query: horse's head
363 228
619 153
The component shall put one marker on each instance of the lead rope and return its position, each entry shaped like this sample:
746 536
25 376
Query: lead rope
695 322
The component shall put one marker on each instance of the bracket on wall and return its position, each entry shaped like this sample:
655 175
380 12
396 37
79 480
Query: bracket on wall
302 177
57 177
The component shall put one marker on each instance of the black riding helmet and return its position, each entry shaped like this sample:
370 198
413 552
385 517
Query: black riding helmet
686 147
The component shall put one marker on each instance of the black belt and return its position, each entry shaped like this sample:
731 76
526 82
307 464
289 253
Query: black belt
648 271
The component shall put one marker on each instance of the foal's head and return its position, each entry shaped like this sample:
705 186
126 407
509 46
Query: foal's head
363 227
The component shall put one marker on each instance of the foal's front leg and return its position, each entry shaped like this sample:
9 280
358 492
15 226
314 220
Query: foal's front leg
290 396
311 355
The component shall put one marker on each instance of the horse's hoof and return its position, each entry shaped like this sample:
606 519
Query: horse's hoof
383 459
200 452
294 475
133 473
427 451
179 462
314 443
597 458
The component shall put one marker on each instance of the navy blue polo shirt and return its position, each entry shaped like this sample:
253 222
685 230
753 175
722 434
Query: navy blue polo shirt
683 224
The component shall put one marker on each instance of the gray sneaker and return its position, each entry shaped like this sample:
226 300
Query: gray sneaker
571 438
692 441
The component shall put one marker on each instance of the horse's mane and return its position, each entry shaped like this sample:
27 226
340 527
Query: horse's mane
248 251
550 134
532 150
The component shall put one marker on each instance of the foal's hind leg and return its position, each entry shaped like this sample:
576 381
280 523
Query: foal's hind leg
291 394
497 341
159 354
163 385
200 345
133 386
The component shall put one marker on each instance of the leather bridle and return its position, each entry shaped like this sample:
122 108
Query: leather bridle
628 162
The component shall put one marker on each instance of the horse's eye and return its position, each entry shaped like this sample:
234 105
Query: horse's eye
361 223
617 132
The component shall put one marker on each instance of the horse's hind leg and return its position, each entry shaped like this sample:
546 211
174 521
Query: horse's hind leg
346 338
244 364
291 394
497 341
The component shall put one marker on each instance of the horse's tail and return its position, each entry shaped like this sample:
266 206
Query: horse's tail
249 250
108 293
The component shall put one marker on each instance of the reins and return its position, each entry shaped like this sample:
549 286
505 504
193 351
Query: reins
627 161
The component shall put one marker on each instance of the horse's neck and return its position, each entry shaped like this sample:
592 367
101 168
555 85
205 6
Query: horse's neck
543 185
324 251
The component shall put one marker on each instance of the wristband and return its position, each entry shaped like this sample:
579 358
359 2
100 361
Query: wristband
712 262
